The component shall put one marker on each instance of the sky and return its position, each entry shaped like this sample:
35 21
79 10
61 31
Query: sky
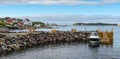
60 11
14 8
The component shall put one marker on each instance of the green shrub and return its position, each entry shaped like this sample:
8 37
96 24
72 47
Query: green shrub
38 23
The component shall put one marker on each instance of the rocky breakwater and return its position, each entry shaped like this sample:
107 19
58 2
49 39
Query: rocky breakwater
10 44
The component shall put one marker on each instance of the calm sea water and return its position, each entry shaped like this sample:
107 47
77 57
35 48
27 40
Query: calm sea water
74 50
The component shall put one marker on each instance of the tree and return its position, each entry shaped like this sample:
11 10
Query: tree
38 23
19 19
2 24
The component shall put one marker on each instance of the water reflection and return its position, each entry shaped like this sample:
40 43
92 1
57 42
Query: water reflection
94 52
65 51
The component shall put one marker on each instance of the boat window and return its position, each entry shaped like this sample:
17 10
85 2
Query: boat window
94 39
95 34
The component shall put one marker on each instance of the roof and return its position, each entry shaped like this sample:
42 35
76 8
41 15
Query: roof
94 35
9 20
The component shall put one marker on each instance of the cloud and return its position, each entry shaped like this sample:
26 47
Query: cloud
58 2
109 1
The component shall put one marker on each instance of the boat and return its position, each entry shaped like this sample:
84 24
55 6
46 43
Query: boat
94 39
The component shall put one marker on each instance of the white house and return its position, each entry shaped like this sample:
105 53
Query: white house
119 24
27 22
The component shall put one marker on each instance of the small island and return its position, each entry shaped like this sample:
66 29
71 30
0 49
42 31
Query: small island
95 24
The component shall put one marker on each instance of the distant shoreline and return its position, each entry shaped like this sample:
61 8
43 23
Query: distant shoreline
95 24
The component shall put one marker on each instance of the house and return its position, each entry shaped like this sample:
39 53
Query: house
27 22
20 24
118 24
10 21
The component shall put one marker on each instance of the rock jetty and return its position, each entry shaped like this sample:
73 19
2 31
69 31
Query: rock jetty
10 44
